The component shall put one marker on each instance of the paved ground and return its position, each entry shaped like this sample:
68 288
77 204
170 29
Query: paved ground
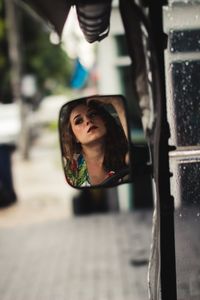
95 257
47 253
39 184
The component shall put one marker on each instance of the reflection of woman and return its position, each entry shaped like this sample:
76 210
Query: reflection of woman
94 143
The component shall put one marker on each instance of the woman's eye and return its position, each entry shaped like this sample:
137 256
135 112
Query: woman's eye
92 114
78 121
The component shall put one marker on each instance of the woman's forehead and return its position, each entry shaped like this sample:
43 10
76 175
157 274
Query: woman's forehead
79 109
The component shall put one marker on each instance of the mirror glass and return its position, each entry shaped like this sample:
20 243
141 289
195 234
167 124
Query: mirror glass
94 141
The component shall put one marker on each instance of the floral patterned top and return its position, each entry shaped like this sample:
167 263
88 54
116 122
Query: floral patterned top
76 171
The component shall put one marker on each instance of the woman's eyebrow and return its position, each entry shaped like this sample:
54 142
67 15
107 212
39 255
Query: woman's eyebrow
76 116
91 109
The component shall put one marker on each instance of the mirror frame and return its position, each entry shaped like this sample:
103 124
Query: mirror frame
106 185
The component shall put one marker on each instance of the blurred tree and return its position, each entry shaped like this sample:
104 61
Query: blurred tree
48 62
25 49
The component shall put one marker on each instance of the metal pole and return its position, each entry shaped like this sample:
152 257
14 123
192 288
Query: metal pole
14 46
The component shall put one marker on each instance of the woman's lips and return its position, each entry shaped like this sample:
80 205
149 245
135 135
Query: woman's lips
92 128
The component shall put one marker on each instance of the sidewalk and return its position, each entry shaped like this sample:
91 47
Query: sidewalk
99 257
40 185
48 254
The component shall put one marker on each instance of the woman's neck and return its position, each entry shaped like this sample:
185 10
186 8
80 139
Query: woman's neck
94 158
93 153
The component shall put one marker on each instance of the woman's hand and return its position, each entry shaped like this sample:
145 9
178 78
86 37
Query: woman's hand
118 106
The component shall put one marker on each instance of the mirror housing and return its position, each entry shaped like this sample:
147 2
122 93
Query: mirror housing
95 141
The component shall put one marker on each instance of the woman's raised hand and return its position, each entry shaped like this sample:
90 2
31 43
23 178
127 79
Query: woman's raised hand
118 106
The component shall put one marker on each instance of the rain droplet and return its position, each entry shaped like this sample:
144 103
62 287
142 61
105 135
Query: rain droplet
198 214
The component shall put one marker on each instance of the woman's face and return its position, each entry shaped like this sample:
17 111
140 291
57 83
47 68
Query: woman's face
87 125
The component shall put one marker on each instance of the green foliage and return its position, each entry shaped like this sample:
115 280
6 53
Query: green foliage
5 90
2 29
48 62
53 126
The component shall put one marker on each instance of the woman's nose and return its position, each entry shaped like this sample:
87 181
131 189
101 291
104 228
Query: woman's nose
88 120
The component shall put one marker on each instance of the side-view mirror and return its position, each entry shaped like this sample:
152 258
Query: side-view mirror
94 140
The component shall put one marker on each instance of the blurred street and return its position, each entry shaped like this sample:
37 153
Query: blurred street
39 183
47 253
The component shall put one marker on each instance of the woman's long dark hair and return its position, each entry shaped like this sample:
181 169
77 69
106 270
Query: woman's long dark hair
116 144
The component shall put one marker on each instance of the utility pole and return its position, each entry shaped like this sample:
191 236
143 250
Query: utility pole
14 46
13 37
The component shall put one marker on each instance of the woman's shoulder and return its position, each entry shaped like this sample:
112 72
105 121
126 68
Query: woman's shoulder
76 170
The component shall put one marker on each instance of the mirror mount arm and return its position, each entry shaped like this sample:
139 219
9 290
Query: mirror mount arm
145 169
140 160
